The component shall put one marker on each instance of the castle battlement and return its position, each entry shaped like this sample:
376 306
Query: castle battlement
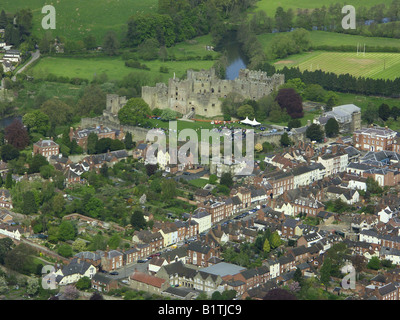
202 91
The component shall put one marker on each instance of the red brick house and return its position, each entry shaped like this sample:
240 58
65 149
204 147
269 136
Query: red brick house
46 148
199 254
102 283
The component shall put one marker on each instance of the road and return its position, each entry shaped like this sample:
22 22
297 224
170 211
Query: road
35 56
126 271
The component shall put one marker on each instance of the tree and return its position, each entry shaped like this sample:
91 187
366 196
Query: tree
216 295
93 101
285 140
94 207
168 114
6 245
90 42
370 114
226 180
373 186
114 241
374 263
65 250
57 111
128 141
20 259
245 111
279 294
325 273
384 111
36 163
331 99
395 112
314 92
110 43
137 220
149 49
315 133
67 231
70 293
258 147
134 112
91 143
331 128
9 180
84 283
3 285
294 123
3 20
17 135
298 276
29 205
291 101
36 121
168 189
266 246
8 152
79 245
275 241
96 296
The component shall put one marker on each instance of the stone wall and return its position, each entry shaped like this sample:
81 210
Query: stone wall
138 134
202 91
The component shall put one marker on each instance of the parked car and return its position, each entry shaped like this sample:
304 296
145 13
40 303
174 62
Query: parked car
114 273
142 261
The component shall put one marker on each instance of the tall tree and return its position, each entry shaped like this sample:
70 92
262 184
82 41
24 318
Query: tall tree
315 133
17 135
290 100
110 43
384 111
332 128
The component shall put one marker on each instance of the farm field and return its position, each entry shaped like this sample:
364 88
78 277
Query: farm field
375 65
114 68
75 19
334 39
269 6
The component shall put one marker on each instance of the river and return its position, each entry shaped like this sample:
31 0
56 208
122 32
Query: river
4 122
235 57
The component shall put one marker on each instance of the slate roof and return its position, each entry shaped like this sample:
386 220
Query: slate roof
74 267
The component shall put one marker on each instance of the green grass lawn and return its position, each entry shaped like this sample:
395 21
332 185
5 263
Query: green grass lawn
194 47
322 38
114 67
75 19
269 6
199 183
375 65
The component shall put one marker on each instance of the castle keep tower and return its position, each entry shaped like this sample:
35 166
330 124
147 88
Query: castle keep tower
201 91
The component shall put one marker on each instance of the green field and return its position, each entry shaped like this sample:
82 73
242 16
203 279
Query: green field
114 68
269 6
334 39
375 65
76 19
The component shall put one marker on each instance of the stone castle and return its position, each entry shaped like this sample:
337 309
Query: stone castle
201 92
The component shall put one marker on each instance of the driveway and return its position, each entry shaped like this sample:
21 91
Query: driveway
35 56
